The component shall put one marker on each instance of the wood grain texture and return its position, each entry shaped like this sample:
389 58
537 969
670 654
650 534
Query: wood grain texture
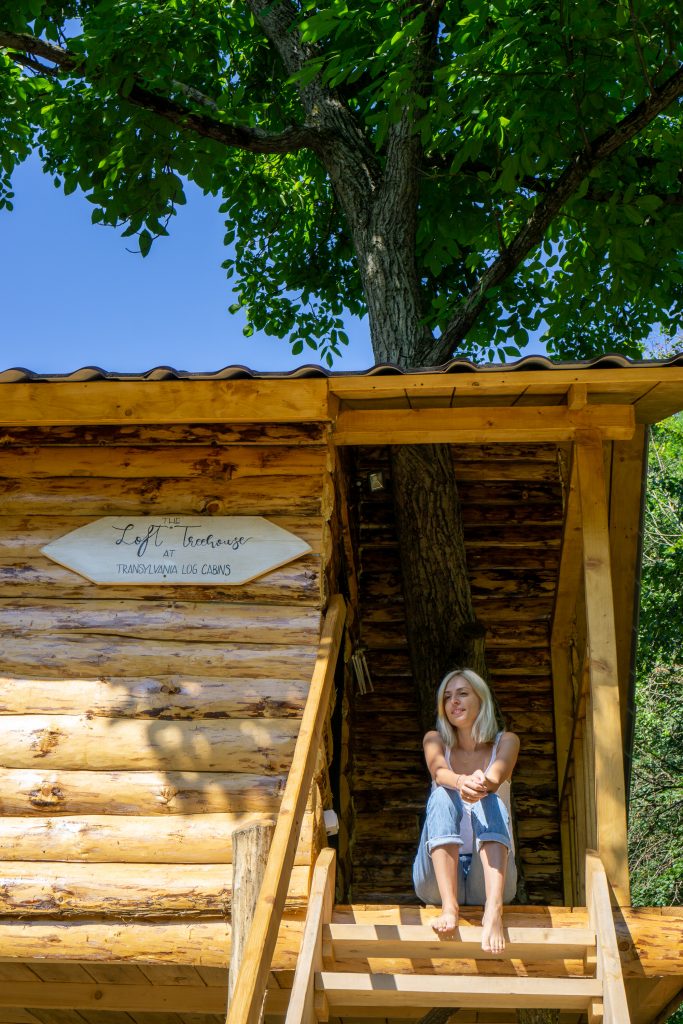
49 792
129 657
609 785
132 462
108 838
169 401
160 697
166 620
79 742
124 890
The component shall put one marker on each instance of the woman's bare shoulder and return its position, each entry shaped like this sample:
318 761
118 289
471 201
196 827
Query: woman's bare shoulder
510 740
432 737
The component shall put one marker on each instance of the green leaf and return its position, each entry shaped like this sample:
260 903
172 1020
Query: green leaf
145 241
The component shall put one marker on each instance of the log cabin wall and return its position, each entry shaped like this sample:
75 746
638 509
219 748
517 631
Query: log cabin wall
512 505
141 724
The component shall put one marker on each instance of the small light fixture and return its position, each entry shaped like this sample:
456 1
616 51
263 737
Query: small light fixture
376 481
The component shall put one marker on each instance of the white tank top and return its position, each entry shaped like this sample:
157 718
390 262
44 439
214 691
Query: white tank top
503 792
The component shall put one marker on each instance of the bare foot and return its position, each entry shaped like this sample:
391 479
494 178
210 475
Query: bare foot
446 922
492 939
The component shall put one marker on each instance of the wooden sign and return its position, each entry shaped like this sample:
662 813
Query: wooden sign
176 550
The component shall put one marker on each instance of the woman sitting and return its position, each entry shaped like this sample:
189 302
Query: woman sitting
466 853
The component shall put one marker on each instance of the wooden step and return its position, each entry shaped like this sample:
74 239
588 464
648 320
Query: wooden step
421 942
400 992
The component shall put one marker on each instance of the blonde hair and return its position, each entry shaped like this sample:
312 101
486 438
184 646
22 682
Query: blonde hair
485 726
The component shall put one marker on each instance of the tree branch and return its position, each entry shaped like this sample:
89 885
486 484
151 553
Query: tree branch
531 234
252 140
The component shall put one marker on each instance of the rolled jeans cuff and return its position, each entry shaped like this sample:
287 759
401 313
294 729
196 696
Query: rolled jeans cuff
433 844
493 837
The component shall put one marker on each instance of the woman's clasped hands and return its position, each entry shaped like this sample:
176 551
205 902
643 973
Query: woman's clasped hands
472 787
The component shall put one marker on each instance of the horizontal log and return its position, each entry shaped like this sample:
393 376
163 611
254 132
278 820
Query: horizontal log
23 536
531 454
505 469
508 492
125 890
215 621
44 791
167 434
267 495
519 536
162 697
387 559
298 582
168 401
108 838
530 516
513 558
55 655
488 607
200 942
110 744
143 462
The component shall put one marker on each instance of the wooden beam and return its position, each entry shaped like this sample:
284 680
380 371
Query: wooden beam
252 845
301 1009
398 991
610 794
480 425
253 977
625 503
419 942
171 401
609 971
577 396
624 381
563 623
126 998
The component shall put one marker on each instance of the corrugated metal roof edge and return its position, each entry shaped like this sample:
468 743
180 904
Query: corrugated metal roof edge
19 375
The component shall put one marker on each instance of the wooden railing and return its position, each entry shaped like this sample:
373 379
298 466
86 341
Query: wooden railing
614 1009
250 988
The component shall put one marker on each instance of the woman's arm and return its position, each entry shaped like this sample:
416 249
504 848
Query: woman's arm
503 766
469 787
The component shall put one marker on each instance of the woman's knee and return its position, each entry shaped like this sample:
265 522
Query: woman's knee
446 802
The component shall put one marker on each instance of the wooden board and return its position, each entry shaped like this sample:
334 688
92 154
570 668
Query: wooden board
172 401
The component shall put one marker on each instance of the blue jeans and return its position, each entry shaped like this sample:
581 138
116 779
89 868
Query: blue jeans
490 823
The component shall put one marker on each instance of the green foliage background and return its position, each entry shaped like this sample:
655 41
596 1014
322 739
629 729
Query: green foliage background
656 808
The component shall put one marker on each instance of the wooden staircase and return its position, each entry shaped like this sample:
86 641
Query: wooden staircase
353 964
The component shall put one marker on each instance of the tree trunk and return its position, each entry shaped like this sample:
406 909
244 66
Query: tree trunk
443 631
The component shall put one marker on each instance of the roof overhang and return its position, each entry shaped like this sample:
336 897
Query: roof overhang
520 402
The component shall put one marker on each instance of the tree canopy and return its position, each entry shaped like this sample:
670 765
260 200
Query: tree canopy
462 171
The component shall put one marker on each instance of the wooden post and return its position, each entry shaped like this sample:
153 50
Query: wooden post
251 846
610 793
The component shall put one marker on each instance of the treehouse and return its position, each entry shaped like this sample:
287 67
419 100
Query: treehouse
152 718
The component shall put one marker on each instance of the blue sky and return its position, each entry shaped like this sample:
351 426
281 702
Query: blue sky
72 295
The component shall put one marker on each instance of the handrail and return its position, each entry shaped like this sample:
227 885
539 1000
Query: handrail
601 919
310 960
250 989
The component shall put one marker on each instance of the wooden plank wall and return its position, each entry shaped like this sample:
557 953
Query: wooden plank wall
140 725
512 510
